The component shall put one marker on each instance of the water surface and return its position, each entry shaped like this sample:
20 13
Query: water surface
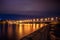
17 31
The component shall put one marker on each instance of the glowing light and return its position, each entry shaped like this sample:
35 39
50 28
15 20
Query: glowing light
20 30
20 21
10 22
34 26
37 19
46 19
26 28
46 24
37 26
56 18
52 19
41 25
41 19
29 20
33 19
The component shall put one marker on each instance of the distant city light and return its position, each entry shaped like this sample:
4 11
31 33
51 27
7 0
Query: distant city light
52 19
33 19
37 19
41 19
46 19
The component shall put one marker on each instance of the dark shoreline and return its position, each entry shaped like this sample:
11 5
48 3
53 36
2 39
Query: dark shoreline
44 33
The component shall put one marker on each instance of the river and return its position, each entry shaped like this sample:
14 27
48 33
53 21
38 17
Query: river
18 31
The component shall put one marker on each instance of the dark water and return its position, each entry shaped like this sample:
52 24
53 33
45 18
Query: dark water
17 31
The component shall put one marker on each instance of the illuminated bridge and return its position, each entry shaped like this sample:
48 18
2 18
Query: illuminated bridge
35 20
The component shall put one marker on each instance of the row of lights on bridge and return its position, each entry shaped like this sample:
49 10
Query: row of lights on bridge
37 19
33 20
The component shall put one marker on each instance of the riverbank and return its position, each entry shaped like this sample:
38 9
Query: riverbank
50 32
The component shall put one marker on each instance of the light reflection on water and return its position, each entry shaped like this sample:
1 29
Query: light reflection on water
20 30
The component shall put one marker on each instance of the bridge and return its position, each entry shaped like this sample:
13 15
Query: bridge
34 20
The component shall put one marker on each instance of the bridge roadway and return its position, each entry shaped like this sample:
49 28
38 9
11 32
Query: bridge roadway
18 22
42 20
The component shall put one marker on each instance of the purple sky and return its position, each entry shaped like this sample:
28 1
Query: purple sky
16 6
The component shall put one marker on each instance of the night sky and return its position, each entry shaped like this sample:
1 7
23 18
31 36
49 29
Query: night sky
30 7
